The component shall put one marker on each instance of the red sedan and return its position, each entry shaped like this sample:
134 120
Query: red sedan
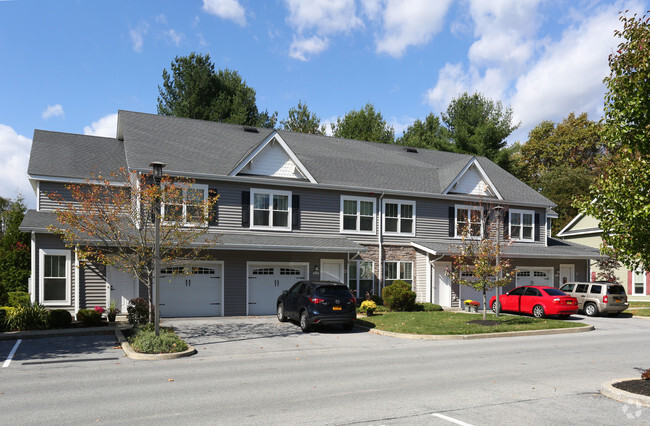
538 301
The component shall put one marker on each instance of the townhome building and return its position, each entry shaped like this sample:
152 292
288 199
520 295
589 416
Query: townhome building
294 206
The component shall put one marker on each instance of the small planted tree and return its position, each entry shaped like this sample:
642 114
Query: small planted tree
109 220
481 258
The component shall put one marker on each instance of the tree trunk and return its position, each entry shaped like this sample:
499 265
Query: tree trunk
484 306
149 293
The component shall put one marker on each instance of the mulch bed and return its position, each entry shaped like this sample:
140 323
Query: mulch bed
484 322
639 387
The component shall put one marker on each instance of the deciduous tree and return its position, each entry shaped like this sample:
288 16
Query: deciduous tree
620 197
193 89
366 124
14 247
301 120
113 225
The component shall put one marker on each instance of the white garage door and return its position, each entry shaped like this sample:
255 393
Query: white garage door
535 276
266 281
196 294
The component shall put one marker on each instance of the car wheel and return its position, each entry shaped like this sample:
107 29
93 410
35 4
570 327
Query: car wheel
591 310
494 306
304 322
281 316
348 326
538 311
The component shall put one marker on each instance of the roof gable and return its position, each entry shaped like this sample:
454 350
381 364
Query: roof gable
273 158
473 180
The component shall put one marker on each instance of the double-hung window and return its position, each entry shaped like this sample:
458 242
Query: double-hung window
639 282
55 270
469 221
399 217
185 204
357 215
361 277
270 209
522 225
398 270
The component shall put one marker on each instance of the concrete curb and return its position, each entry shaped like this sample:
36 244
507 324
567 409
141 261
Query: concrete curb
479 336
128 350
33 334
608 390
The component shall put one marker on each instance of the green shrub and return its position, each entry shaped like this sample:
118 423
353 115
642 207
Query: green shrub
399 297
18 298
145 341
60 318
428 307
31 317
3 295
137 312
377 299
89 317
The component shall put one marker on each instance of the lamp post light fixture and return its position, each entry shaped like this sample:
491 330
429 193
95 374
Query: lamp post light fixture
498 210
157 177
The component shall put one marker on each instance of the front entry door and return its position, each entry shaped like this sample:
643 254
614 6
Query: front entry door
441 284
121 286
567 274
332 270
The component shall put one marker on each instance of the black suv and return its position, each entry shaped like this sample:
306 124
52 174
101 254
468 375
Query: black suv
318 302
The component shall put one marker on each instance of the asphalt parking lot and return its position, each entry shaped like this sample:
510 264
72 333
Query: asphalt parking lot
57 350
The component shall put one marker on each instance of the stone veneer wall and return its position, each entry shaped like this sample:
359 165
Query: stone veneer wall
390 253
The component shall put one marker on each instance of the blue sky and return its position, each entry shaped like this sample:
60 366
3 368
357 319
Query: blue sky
70 65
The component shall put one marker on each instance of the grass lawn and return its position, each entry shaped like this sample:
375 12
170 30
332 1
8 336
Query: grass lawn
639 304
457 323
638 312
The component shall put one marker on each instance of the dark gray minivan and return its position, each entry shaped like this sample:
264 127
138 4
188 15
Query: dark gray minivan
599 297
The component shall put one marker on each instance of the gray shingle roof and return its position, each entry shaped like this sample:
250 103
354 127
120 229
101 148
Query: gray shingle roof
556 249
215 149
68 155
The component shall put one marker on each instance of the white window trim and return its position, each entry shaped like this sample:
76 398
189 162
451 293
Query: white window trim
467 207
358 200
185 187
399 217
399 271
357 266
271 193
41 278
645 283
521 225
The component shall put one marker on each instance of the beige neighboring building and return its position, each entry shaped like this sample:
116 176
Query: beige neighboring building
584 229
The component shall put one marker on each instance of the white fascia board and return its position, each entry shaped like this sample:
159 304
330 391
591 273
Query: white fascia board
470 163
274 135
570 224
423 248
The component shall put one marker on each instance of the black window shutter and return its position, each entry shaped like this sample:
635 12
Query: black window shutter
214 211
245 209
538 235
506 224
487 232
452 214
295 211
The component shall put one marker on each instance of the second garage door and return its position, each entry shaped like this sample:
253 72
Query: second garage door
535 276
266 281
194 292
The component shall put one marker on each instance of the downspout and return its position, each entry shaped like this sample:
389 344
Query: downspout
76 281
32 279
380 240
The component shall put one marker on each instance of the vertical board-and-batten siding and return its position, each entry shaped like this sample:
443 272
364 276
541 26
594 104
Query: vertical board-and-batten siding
52 242
421 282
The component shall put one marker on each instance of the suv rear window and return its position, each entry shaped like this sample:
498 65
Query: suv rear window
332 291
615 289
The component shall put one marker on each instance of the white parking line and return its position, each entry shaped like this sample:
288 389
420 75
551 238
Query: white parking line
11 354
450 419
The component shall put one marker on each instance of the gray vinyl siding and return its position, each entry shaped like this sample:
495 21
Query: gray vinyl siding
92 286
53 242
421 265
45 191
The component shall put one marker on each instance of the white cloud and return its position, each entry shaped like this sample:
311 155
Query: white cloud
175 37
568 77
53 111
137 36
302 47
323 17
410 23
105 126
14 157
226 9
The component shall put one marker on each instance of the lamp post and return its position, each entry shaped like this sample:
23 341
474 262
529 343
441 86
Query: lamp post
498 210
157 177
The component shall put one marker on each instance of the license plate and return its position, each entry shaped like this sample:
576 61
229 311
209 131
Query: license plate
337 308
569 302
617 299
